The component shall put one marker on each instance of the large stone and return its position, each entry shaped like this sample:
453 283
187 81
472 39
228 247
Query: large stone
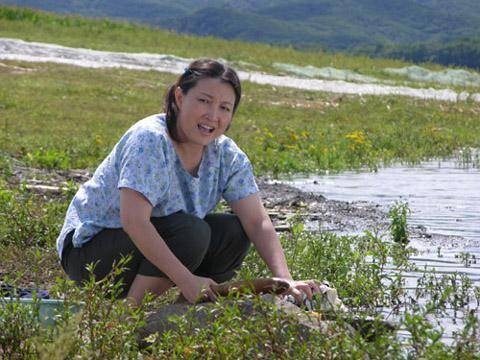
306 324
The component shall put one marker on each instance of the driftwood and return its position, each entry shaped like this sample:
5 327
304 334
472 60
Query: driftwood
256 286
43 189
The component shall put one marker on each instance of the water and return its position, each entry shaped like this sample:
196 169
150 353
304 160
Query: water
443 196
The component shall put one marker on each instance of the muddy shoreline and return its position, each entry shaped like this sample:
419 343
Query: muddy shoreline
341 217
283 202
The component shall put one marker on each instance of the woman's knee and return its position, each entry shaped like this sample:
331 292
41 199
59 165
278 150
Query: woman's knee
229 247
228 229
98 256
187 236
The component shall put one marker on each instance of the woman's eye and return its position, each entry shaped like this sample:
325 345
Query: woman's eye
225 108
203 100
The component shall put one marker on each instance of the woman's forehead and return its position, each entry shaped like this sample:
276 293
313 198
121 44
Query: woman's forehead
216 88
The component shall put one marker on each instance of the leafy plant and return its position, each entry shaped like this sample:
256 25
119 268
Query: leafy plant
19 324
27 219
398 222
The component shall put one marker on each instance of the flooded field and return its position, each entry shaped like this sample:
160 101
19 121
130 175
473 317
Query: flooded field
444 198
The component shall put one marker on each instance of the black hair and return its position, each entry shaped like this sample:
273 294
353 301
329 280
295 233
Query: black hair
197 70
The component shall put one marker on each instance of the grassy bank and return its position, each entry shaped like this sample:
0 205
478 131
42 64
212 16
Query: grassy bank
64 117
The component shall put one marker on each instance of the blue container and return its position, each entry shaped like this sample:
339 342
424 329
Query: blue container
48 308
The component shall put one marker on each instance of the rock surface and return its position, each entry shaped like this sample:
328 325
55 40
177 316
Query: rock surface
306 324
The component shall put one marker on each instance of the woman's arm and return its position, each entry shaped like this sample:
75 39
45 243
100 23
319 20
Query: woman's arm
260 231
135 211
262 234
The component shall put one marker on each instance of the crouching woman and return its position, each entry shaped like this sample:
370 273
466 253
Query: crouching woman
152 198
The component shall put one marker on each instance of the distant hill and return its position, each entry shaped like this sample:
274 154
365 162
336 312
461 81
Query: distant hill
335 25
361 26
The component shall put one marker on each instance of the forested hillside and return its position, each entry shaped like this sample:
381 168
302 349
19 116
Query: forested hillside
458 52
418 30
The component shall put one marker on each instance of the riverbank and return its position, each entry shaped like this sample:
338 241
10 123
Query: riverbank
286 206
373 276
341 217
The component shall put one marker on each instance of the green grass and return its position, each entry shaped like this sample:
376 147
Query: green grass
63 117
60 117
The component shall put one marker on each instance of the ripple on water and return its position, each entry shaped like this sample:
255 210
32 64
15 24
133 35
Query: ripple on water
443 197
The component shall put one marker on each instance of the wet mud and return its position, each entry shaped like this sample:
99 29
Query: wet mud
284 202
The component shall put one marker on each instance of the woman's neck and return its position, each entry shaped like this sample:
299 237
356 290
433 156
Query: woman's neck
190 155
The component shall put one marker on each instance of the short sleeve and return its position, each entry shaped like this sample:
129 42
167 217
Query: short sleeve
241 181
142 165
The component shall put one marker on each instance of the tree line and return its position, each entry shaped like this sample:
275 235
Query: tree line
464 52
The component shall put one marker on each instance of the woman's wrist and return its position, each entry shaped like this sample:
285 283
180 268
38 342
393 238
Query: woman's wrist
282 274
182 278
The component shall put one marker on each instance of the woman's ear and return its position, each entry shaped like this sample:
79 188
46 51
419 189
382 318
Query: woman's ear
178 96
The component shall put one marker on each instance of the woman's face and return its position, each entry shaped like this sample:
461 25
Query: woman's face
205 112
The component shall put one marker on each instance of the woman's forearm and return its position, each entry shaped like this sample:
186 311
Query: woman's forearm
266 241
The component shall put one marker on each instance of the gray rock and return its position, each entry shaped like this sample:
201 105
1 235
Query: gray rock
306 324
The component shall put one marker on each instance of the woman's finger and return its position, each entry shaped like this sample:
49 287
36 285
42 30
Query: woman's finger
211 295
314 287
306 289
297 294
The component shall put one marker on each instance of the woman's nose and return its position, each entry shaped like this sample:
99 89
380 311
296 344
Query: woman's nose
212 113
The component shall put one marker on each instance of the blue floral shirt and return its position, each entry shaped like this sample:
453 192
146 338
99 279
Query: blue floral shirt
145 160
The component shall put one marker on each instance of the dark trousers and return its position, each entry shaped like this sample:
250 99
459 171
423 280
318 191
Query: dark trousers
213 247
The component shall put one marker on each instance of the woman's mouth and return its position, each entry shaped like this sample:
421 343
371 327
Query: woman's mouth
205 129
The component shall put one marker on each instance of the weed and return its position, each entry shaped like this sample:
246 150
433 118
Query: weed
27 219
466 258
48 159
104 328
357 266
398 226
19 324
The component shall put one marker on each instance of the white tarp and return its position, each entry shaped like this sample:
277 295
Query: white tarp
456 77
14 49
310 71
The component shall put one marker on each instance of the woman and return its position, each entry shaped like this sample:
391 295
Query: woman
151 197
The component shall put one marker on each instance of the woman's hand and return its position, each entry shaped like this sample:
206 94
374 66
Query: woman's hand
308 287
198 289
